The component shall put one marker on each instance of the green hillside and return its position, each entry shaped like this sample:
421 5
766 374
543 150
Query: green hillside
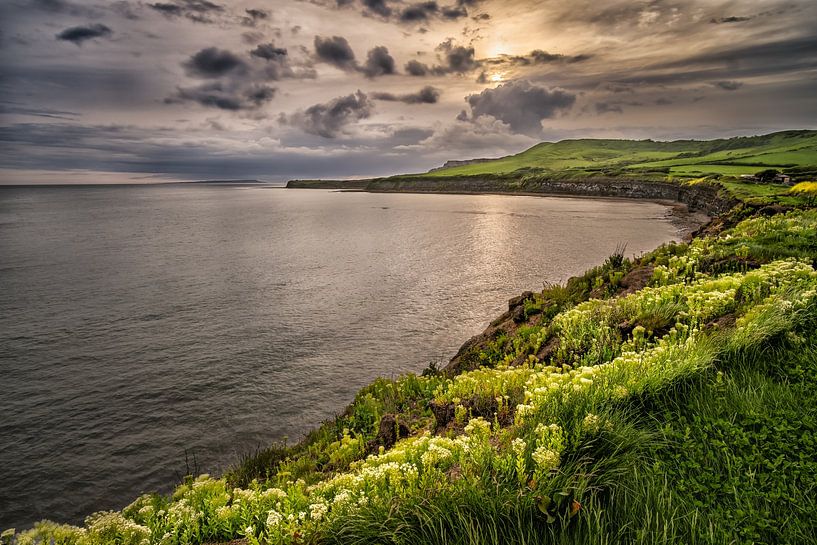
785 151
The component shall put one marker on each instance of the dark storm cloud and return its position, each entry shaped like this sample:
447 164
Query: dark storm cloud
416 68
330 119
80 34
198 11
454 13
224 96
458 59
403 11
426 95
378 7
278 64
269 52
724 20
728 85
378 63
454 59
335 51
213 63
521 105
420 12
534 58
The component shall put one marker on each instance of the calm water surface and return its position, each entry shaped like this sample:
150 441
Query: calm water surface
140 322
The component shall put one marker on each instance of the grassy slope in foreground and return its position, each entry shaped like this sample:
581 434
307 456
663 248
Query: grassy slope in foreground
660 400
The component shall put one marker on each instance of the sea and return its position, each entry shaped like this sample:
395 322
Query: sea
151 330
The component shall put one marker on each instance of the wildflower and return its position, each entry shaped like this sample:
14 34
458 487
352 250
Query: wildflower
224 512
317 511
545 458
342 498
591 423
273 518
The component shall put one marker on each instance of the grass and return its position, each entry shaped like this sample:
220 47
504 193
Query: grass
676 411
728 157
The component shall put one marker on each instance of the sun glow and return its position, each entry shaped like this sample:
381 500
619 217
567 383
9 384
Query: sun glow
496 78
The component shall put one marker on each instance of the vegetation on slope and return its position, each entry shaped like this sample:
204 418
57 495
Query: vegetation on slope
789 151
670 409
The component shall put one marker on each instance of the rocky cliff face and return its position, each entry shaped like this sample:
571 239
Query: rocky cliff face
706 198
327 184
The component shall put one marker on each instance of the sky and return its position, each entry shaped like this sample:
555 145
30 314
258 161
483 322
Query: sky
166 90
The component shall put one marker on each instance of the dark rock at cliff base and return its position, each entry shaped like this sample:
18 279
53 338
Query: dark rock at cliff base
519 300
773 210
443 414
391 429
637 278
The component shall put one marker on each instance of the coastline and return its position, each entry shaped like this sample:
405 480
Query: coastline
684 219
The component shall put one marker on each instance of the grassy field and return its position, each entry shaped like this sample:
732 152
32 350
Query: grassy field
730 157
665 399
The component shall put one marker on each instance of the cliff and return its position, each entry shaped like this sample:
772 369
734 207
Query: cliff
709 198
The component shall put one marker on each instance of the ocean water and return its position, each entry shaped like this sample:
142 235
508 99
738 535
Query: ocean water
143 324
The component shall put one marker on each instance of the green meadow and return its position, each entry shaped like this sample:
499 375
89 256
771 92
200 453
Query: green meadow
728 157
661 399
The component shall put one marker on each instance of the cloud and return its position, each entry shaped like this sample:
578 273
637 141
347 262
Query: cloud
728 85
330 119
416 68
426 95
480 137
80 34
198 11
405 12
458 59
606 107
453 59
378 63
724 20
269 52
335 51
212 62
534 58
278 64
224 96
254 16
420 12
521 105
378 7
